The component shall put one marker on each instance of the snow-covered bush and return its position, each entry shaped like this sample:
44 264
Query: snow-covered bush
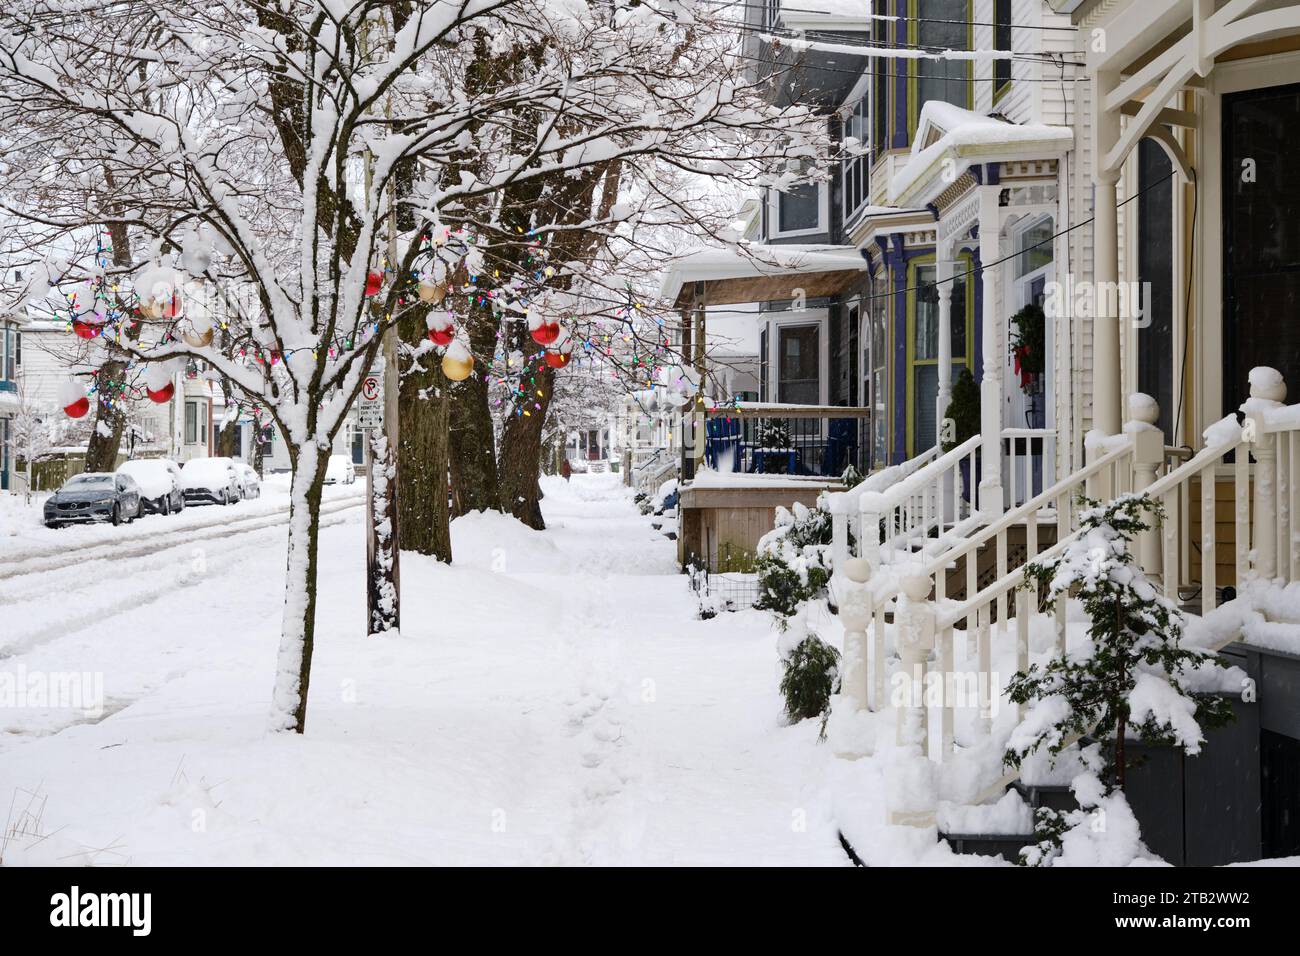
1102 832
1133 674
794 560
811 673
851 477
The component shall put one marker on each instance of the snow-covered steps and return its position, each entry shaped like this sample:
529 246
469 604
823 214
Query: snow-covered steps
994 829
1007 847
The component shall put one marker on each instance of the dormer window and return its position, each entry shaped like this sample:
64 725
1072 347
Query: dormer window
798 211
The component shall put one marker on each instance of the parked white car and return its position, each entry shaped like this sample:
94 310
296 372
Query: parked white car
249 482
340 470
160 483
212 480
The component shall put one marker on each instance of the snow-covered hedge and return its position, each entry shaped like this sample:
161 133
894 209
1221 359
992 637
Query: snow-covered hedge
794 559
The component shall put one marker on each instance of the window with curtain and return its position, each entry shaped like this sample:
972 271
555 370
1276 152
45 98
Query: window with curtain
191 423
942 25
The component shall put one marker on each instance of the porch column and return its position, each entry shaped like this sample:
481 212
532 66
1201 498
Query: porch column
1106 377
990 489
943 272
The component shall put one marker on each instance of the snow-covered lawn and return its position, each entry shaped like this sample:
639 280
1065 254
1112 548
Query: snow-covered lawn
552 699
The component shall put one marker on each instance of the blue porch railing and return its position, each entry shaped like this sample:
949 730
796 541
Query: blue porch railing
809 440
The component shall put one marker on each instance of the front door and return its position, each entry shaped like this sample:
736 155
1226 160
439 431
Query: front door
1261 238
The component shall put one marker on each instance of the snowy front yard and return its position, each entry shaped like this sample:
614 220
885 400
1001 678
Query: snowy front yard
552 699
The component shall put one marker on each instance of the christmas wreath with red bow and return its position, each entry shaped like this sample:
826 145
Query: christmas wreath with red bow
1029 344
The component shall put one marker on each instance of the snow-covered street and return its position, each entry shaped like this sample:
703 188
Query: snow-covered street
553 698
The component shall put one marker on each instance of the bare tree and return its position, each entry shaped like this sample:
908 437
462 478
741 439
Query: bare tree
226 140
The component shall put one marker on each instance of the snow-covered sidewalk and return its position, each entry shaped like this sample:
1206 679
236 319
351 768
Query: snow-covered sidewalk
552 699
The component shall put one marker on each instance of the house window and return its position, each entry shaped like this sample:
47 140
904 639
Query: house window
799 210
940 25
762 365
799 359
880 81
1001 41
924 346
851 376
877 385
9 346
1034 246
196 425
854 167
772 13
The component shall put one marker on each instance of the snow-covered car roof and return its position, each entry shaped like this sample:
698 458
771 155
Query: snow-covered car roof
206 472
151 474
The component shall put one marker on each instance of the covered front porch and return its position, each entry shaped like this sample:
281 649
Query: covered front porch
742 456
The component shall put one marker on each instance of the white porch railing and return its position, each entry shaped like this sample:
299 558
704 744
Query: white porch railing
1263 541
846 506
1028 463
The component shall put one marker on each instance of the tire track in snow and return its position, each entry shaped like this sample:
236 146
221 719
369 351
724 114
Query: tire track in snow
166 582
140 545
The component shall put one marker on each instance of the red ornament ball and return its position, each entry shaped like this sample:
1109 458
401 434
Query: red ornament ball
546 333
558 359
442 336
374 282
163 394
78 408
86 330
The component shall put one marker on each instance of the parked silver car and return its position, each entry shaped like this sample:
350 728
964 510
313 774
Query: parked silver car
249 483
160 483
94 496
212 480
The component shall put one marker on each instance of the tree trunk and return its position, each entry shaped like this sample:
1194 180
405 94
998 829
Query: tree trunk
474 485
298 625
423 515
110 379
1121 728
521 451
110 420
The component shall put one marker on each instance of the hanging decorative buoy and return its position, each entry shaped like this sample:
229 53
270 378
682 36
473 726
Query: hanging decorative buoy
432 293
374 282
171 307
196 339
457 363
161 395
442 337
78 408
159 291
546 333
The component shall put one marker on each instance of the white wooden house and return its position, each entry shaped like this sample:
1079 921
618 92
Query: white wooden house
1130 170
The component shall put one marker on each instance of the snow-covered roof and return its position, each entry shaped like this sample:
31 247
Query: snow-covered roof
945 131
847 15
753 260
